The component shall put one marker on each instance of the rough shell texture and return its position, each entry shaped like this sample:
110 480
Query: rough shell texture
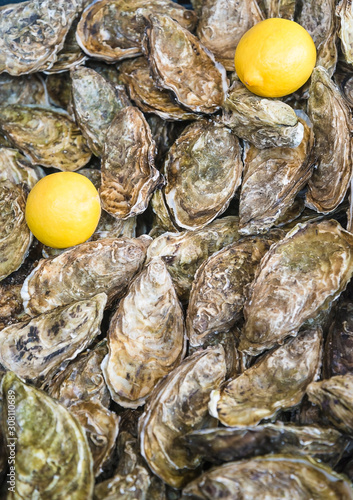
11 307
15 168
204 162
263 122
41 346
79 273
129 176
15 237
184 252
50 443
48 137
32 33
179 404
180 63
344 11
279 8
273 476
298 277
277 381
27 89
112 29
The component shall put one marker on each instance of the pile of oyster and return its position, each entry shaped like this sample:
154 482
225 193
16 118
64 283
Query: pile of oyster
200 344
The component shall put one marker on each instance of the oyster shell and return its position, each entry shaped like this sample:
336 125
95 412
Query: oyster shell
39 346
162 217
344 11
112 29
110 227
272 179
280 8
204 162
59 88
33 32
27 89
335 396
49 444
179 404
48 137
184 252
15 168
270 477
263 122
236 443
136 75
129 176
333 156
95 105
180 63
15 237
277 381
146 337
218 291
11 307
105 265
298 277
222 23
318 18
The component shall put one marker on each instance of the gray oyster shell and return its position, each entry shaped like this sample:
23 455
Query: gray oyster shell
344 11
26 89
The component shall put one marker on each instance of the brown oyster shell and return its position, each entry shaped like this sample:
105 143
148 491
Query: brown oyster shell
272 179
38 346
277 381
299 277
222 23
204 162
48 137
33 32
105 265
129 176
184 252
27 89
180 63
59 88
333 152
11 307
15 237
112 29
162 217
279 8
179 404
265 123
146 337
344 11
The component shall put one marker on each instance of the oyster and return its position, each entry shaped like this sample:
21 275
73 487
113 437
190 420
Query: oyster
218 291
180 63
49 444
15 168
204 162
344 11
11 307
162 217
95 105
298 277
179 404
110 227
33 32
59 88
129 176
335 396
184 252
236 443
280 8
136 75
48 137
272 476
222 23
277 381
27 89
333 155
272 179
105 265
112 29
15 237
263 122
43 345
146 337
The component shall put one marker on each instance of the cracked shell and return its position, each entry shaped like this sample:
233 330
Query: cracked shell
50 444
178 405
105 265
129 176
41 346
47 136
180 63
298 277
204 162
112 29
146 337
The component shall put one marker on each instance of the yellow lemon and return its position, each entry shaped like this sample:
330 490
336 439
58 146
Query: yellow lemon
63 209
275 57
